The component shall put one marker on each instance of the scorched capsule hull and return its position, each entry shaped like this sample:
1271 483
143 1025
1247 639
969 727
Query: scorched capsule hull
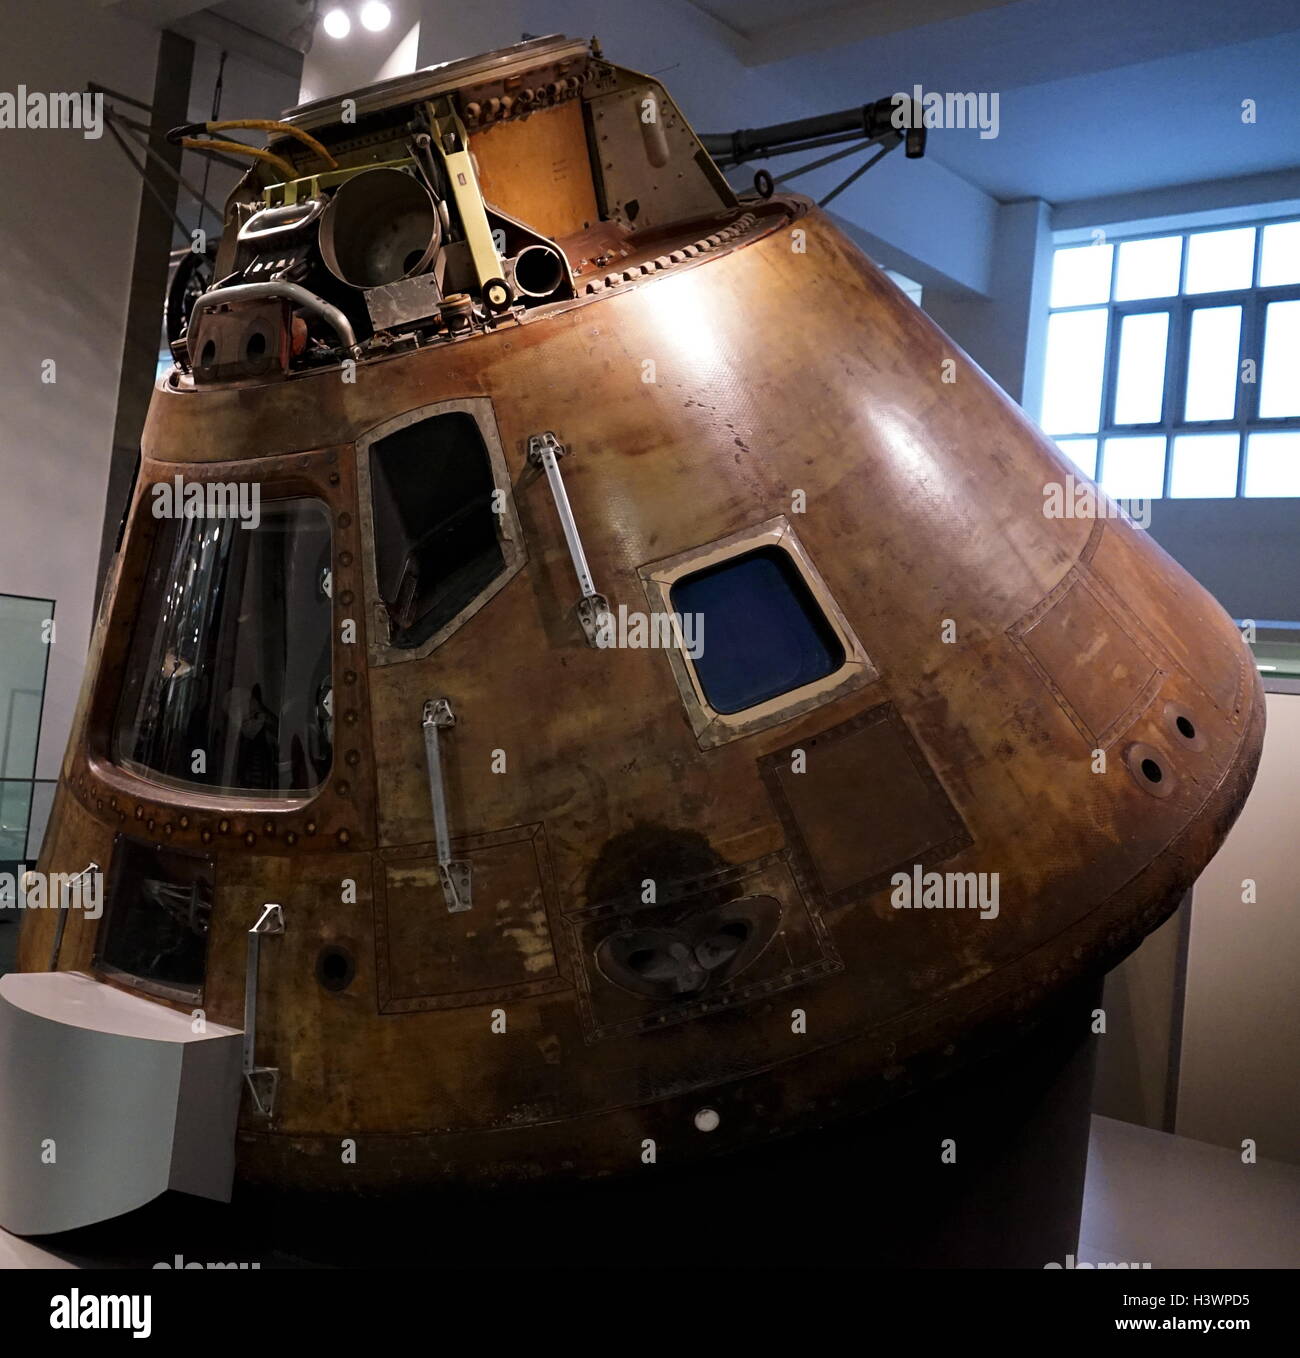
682 900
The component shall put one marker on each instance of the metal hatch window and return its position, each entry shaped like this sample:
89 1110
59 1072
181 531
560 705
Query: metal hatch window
155 928
764 631
440 524
772 642
228 679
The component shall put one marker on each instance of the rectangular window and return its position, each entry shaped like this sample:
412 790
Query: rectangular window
436 545
1212 364
1082 452
1133 468
760 639
1205 466
1148 268
1140 385
1171 357
155 926
228 679
1076 369
1279 392
438 516
763 633
1273 464
24 656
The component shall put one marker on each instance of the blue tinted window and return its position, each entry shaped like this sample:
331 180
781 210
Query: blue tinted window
763 633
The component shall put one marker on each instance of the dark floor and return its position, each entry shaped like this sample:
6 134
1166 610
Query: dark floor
1150 1198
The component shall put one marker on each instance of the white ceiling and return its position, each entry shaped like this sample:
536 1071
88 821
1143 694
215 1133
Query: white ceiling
771 29
1105 98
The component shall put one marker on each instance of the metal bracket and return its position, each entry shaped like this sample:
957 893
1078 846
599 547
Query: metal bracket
454 874
545 451
61 928
263 1081
452 143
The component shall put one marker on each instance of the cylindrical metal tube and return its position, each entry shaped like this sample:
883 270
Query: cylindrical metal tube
538 271
292 292
870 120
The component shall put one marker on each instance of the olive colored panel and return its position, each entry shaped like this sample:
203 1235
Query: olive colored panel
1095 668
501 948
537 169
897 813
714 941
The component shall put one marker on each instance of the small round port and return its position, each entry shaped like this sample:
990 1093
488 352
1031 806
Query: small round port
1183 726
335 967
707 1120
1151 769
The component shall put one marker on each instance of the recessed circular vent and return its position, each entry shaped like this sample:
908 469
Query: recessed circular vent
1184 727
687 956
1151 769
335 967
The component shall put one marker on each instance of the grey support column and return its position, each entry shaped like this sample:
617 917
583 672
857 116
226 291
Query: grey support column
149 269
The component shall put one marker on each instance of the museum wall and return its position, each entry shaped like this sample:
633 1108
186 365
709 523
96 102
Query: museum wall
67 231
1181 1052
1234 1053
333 67
1137 1057
1002 329
249 90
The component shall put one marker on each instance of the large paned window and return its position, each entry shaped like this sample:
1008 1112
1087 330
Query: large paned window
1173 362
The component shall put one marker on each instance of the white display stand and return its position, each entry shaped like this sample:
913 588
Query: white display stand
107 1100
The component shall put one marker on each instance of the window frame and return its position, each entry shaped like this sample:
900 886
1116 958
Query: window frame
113 879
380 646
33 780
711 727
186 817
185 788
1253 300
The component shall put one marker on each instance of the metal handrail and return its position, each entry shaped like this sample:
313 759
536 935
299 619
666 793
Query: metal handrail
454 874
263 1081
545 450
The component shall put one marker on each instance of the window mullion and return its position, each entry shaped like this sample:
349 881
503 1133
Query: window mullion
1175 383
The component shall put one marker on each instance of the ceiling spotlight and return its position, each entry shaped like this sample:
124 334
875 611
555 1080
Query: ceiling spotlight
376 16
337 24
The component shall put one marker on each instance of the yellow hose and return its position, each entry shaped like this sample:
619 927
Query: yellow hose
239 149
270 125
